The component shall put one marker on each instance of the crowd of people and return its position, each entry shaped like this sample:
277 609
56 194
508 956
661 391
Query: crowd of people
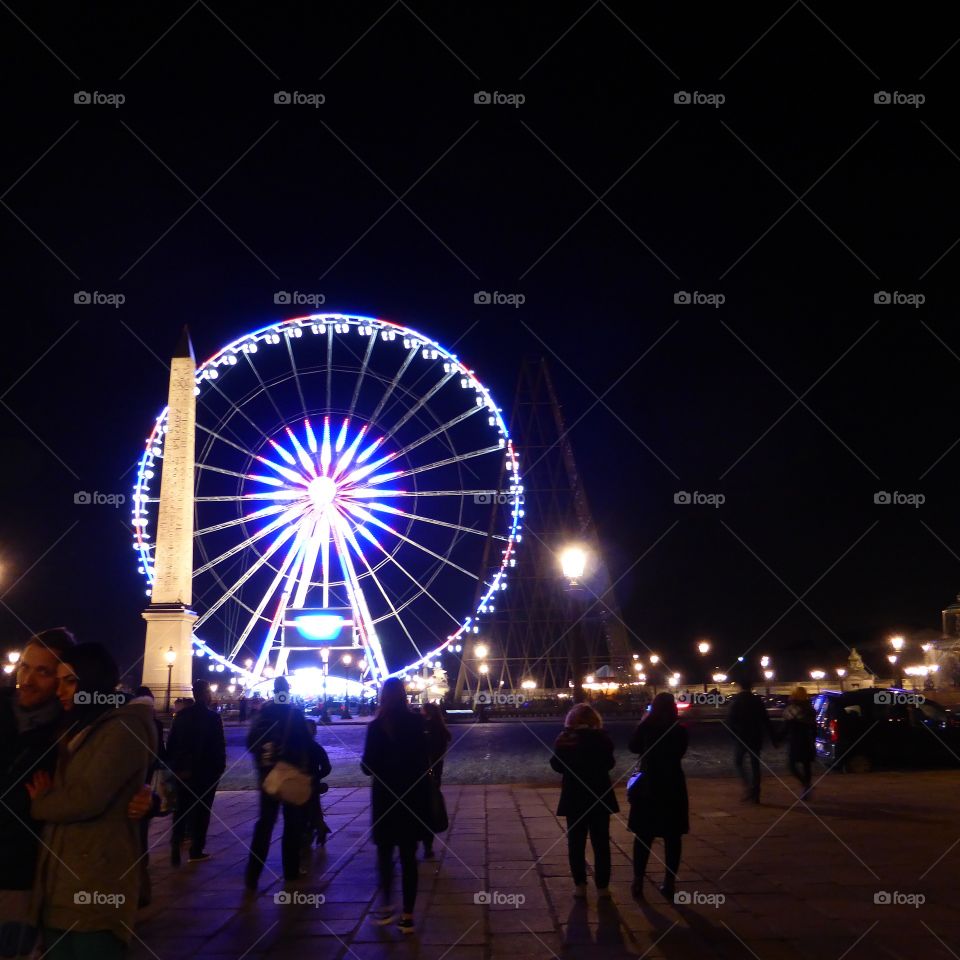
85 768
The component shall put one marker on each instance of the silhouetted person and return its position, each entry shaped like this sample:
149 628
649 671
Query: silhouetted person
438 739
658 805
395 755
800 732
279 732
319 768
583 753
750 725
197 755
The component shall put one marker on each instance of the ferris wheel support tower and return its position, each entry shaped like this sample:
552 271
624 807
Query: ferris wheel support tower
169 617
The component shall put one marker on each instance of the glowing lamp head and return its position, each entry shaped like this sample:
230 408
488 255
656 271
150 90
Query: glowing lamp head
573 562
170 657
654 658
703 647
481 650
897 643
841 671
764 662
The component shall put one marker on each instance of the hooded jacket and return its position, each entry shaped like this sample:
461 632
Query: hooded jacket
87 871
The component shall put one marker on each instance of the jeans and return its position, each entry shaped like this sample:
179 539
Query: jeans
801 770
751 779
293 826
672 847
408 871
98 945
194 805
597 824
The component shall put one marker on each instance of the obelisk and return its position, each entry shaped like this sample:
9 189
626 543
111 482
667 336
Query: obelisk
168 653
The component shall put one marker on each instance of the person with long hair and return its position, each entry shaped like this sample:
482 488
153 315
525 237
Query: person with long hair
87 881
395 755
438 739
583 753
659 806
800 732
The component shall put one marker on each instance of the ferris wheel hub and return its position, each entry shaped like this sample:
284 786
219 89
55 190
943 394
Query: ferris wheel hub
322 492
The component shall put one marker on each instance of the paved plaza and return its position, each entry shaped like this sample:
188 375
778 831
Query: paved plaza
773 882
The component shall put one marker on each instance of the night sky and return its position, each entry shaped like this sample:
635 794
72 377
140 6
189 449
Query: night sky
598 199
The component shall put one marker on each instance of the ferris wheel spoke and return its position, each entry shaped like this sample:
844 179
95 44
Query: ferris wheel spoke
246 518
433 433
368 517
347 457
352 540
296 376
325 558
285 494
309 562
238 409
263 387
398 376
305 459
423 401
363 372
280 521
396 511
400 474
283 537
229 443
364 492
364 532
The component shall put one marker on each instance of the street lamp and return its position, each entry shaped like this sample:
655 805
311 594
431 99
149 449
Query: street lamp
573 563
170 657
480 651
325 657
841 673
768 676
897 643
894 659
817 675
704 647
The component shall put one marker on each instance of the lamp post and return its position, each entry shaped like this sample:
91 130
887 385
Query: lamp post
817 675
768 676
573 563
898 678
325 657
703 648
841 673
897 643
170 657
654 660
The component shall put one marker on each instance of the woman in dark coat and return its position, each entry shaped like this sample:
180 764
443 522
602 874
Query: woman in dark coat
659 805
438 739
395 755
583 753
800 732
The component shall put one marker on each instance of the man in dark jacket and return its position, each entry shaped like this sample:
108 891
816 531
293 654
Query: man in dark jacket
750 725
197 755
29 720
278 732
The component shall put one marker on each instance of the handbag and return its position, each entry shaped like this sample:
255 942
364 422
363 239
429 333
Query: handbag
164 788
637 785
288 784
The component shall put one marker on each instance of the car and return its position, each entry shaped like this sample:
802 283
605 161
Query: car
859 730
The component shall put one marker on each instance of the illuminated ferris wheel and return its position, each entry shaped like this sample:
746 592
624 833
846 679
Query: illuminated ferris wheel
355 486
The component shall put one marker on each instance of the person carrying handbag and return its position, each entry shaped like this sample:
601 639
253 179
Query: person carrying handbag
279 742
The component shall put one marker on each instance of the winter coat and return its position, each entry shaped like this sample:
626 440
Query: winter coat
87 871
800 731
748 720
21 755
584 755
438 739
196 748
279 732
396 756
661 807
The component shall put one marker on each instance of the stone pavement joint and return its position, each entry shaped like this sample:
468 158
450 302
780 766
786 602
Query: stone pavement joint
767 882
